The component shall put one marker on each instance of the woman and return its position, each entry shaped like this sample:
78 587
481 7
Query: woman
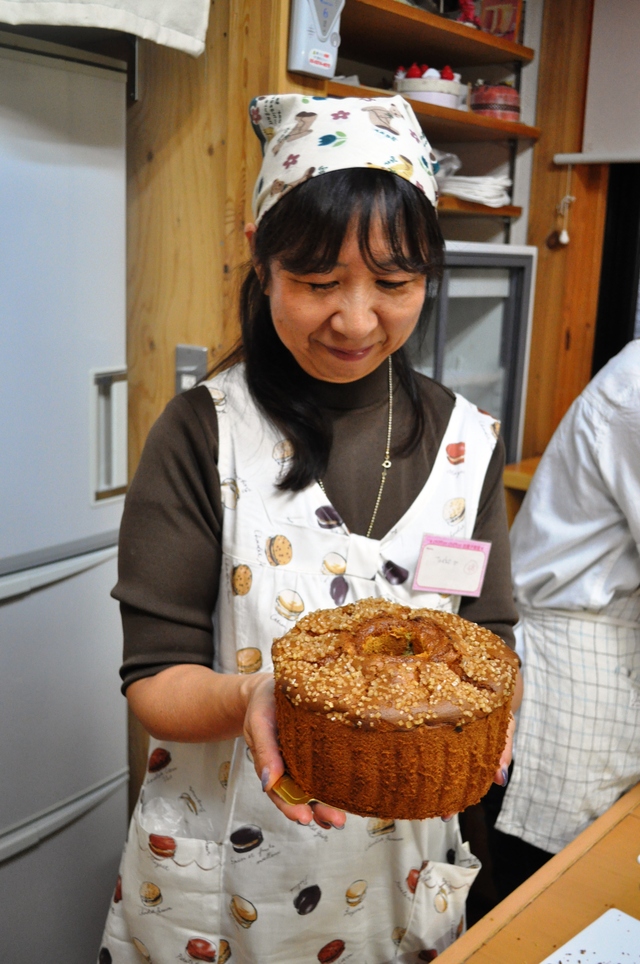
321 445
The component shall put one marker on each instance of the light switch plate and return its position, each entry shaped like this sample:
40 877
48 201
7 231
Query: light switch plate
191 366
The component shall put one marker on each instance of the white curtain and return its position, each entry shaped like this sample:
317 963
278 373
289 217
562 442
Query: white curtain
175 23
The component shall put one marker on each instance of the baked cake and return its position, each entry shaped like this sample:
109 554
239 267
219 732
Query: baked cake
392 712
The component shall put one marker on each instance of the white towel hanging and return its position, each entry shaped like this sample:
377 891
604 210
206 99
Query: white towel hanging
175 23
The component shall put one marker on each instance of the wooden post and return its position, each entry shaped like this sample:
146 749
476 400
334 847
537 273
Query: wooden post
566 298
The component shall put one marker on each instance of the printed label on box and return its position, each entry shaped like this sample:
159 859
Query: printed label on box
455 566
320 58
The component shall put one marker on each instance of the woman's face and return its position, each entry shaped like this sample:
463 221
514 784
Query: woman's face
341 325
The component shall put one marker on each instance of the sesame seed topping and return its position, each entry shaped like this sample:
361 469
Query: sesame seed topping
381 663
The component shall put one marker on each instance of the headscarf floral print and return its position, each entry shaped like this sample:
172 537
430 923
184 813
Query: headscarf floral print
304 137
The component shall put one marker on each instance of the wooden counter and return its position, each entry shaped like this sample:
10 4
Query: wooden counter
516 478
598 870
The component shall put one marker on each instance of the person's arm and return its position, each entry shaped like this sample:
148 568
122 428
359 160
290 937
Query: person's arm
170 542
193 704
502 773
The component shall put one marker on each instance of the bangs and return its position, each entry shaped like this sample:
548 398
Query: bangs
304 232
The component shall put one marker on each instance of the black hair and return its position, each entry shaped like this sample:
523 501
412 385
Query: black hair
304 232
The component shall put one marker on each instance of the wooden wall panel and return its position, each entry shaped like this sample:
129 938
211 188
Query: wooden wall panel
567 284
581 284
176 173
193 159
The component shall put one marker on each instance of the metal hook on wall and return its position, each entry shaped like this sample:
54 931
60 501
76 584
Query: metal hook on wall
558 238
563 209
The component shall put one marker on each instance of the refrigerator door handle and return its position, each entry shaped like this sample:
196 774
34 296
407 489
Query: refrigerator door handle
20 583
109 433
16 839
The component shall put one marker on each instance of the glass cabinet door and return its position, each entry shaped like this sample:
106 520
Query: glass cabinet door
475 342
474 355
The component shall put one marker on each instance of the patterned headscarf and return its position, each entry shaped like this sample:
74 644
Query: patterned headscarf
303 137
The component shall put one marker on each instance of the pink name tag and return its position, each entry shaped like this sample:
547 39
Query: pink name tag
451 566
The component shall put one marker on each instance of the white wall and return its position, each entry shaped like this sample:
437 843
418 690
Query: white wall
612 114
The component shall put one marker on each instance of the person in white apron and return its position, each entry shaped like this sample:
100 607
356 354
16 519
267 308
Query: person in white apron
576 570
216 866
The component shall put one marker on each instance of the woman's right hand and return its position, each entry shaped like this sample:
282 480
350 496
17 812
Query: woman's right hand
194 704
260 733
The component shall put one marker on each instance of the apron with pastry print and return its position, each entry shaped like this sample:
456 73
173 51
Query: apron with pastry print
212 871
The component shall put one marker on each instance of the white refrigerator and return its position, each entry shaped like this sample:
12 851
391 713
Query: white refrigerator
63 760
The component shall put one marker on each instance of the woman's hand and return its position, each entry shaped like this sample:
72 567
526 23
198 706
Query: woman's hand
260 734
502 773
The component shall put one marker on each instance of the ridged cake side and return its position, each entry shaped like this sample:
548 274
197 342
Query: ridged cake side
430 771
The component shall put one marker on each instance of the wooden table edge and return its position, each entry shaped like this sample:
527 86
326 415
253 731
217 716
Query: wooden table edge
498 918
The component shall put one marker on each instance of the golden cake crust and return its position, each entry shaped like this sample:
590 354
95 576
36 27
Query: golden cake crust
390 711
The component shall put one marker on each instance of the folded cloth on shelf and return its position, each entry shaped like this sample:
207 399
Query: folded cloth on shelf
491 191
175 23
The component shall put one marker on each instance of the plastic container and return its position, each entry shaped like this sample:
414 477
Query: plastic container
498 100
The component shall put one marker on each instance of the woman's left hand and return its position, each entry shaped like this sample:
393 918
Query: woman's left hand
261 737
502 773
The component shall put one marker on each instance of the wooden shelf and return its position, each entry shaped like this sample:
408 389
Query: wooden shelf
471 209
384 33
516 479
518 475
443 123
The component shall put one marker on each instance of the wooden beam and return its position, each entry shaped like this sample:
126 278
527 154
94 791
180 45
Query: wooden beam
568 276
581 285
176 164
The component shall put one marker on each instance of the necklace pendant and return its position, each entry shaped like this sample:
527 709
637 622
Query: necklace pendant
386 464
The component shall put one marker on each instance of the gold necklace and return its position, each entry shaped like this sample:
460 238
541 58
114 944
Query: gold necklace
386 463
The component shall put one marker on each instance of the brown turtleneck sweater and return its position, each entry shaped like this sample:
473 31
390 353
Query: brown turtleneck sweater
170 537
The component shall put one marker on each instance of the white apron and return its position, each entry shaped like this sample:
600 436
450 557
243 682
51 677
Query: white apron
230 877
577 745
